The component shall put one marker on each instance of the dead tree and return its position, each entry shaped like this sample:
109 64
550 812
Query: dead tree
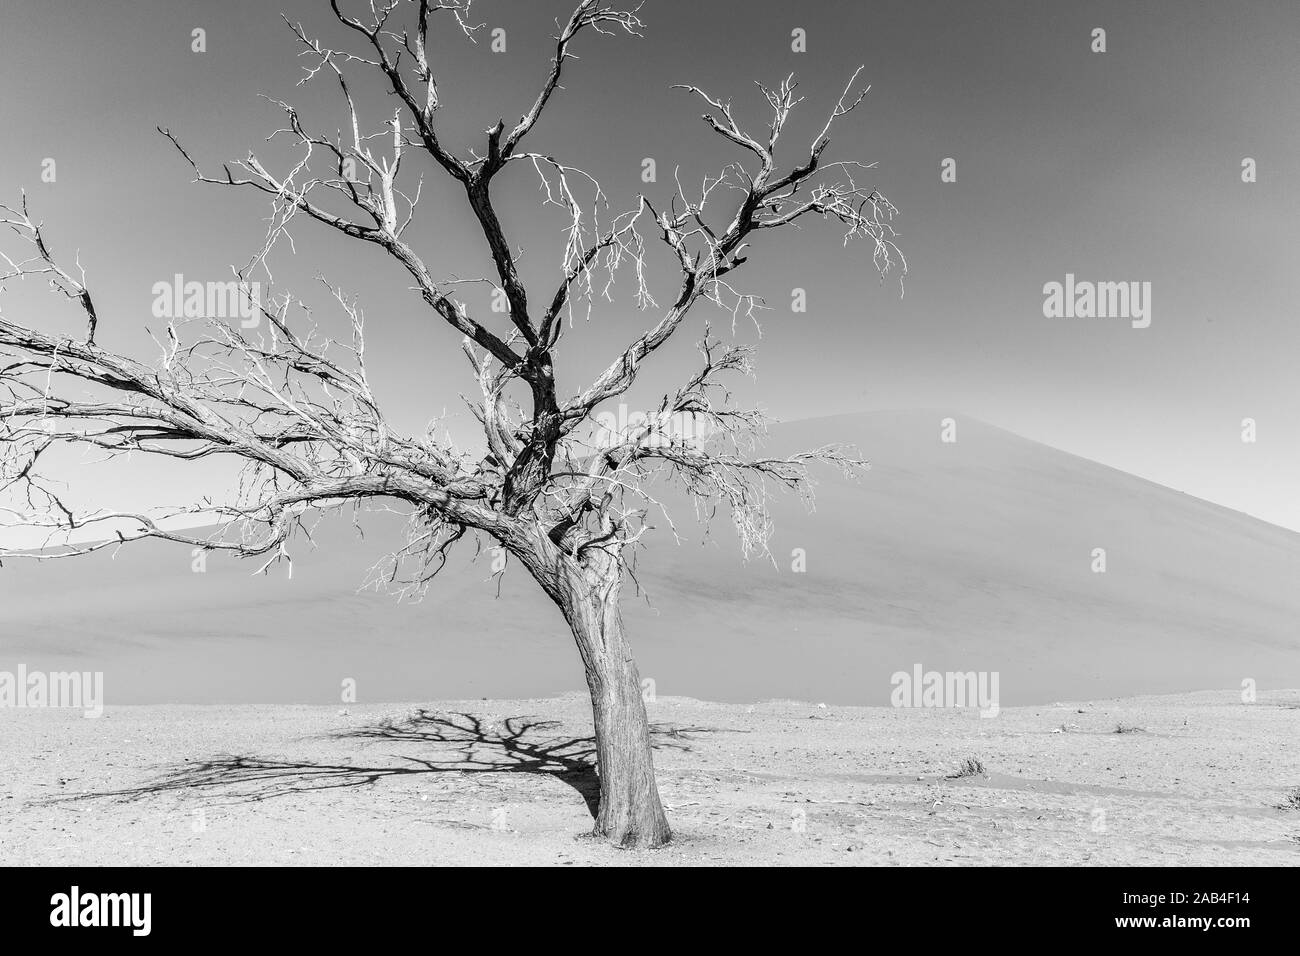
297 409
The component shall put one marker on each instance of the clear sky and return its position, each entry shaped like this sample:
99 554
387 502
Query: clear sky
1115 166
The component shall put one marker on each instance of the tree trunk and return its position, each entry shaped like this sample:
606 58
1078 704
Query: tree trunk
630 813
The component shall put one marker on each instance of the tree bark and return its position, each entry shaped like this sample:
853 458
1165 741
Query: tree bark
630 812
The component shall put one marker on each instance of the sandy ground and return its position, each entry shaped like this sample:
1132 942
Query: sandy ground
1198 781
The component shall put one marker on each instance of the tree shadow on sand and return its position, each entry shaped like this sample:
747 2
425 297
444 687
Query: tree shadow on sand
460 743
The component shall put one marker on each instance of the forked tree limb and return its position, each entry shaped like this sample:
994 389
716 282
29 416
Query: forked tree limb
297 408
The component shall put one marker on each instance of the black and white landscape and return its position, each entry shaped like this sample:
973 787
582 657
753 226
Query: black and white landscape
573 432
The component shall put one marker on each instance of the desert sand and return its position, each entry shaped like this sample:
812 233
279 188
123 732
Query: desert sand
975 556
1197 779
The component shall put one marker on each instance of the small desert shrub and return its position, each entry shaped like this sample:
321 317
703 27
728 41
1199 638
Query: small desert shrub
1291 801
1127 729
970 767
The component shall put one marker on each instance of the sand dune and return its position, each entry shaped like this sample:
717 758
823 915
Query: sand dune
972 556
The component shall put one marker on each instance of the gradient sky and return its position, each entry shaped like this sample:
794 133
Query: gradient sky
1122 166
